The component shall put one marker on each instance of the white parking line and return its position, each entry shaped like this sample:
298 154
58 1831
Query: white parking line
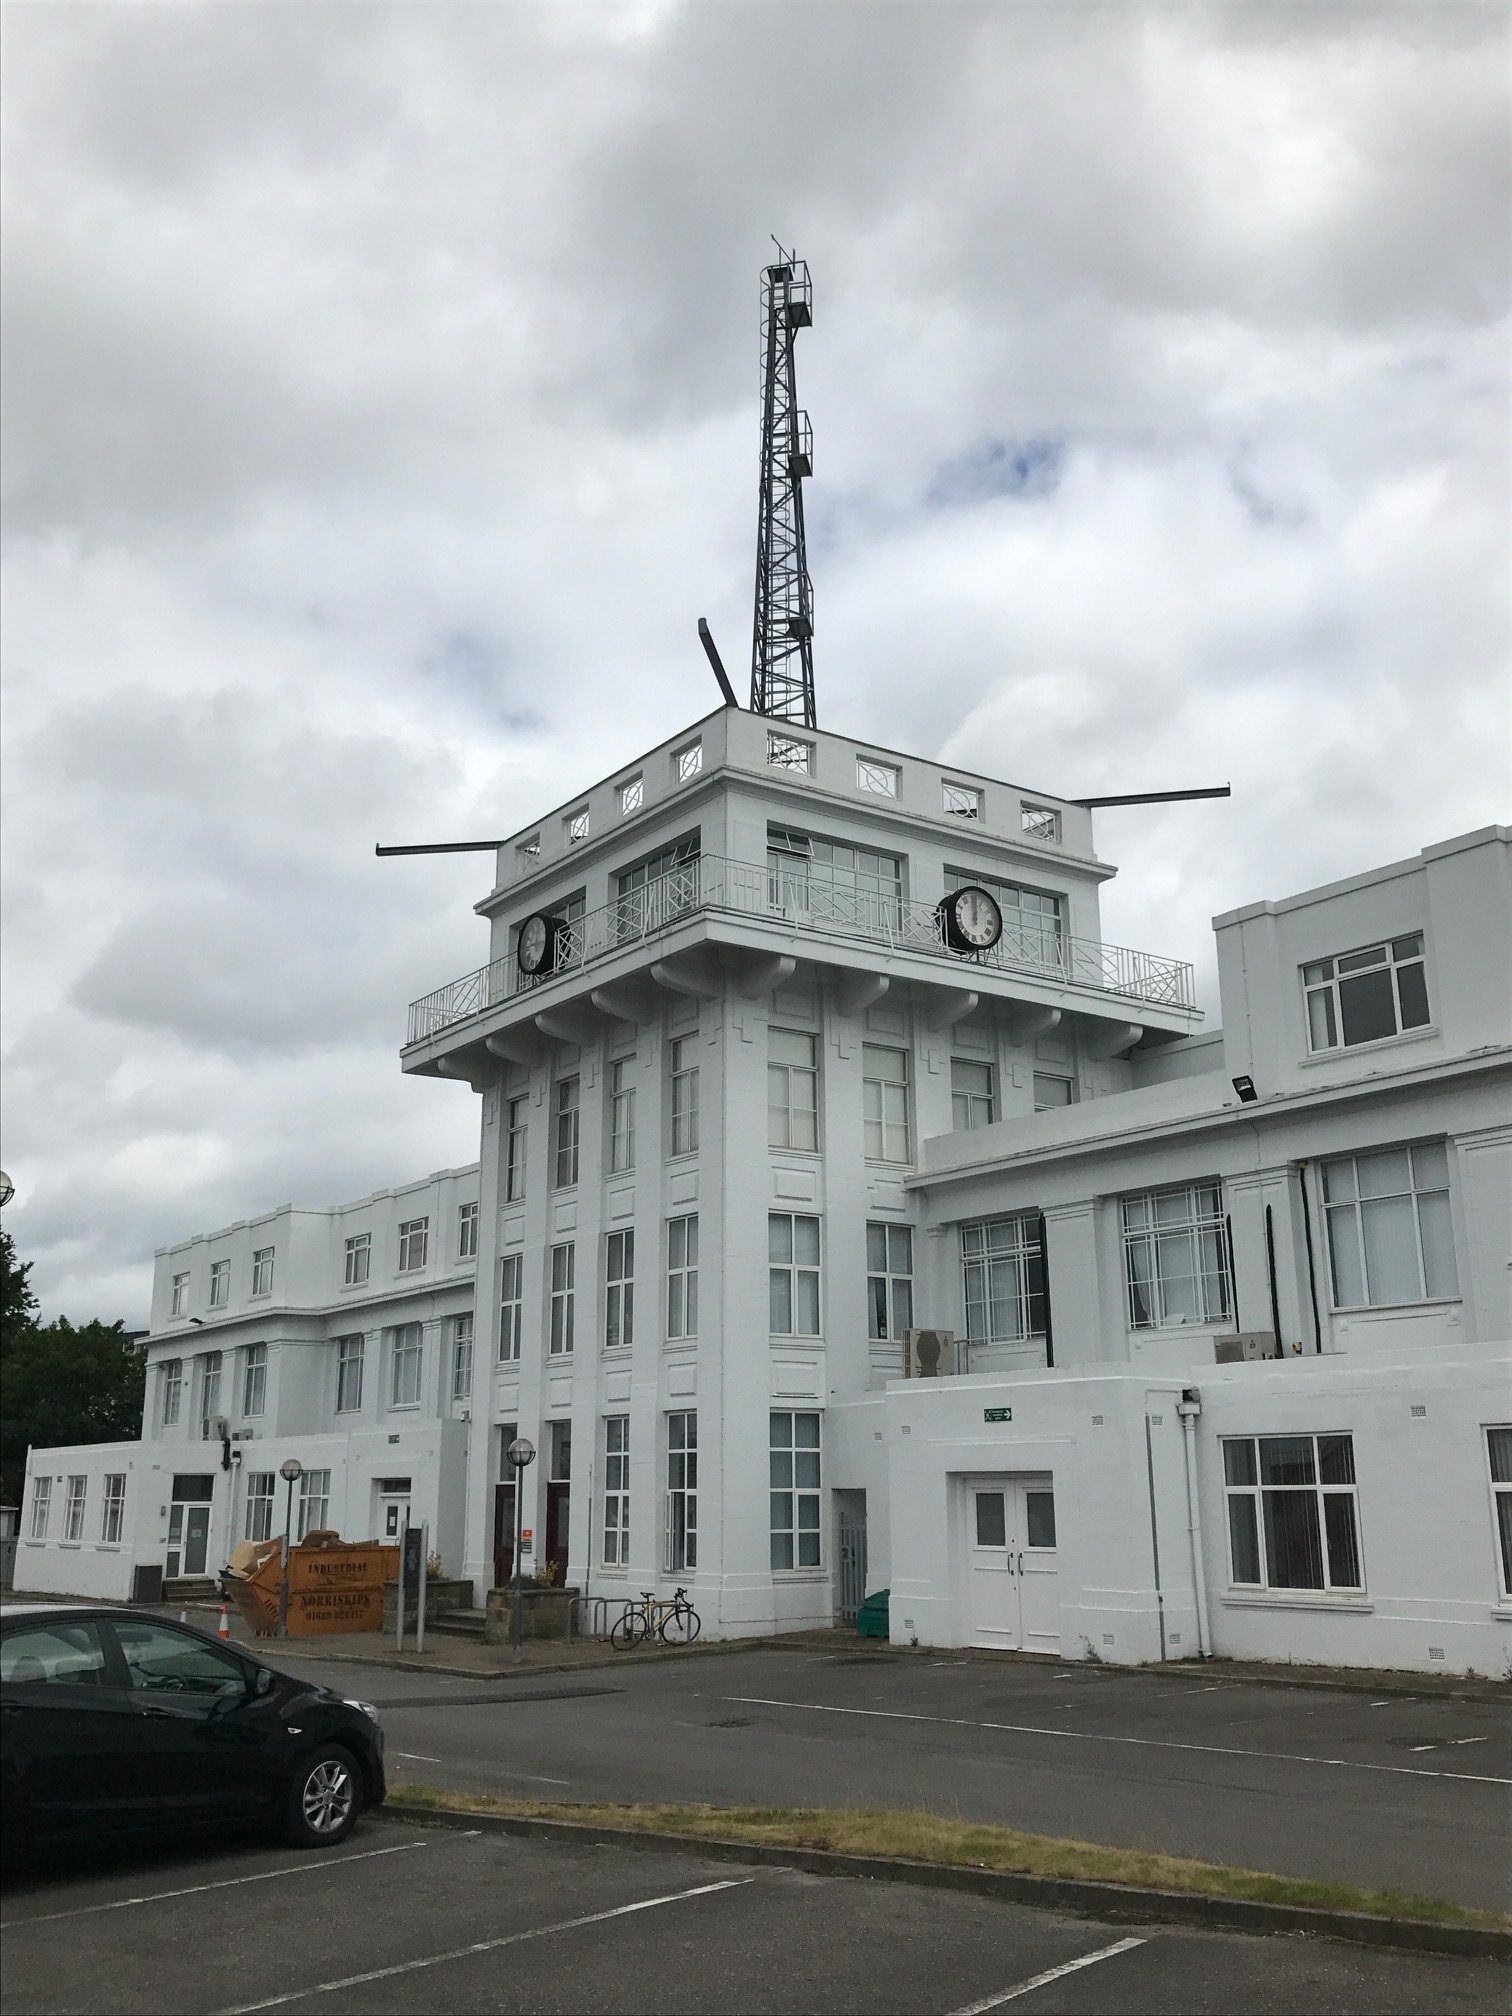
1100 1736
484 1946
415 1756
316 1866
1050 1974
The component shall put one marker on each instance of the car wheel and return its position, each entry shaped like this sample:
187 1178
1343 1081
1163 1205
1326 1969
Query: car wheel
324 1798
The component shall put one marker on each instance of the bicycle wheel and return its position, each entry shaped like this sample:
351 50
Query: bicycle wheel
679 1626
630 1628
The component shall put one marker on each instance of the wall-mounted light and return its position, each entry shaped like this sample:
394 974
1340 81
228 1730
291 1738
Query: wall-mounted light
196 1322
1244 1085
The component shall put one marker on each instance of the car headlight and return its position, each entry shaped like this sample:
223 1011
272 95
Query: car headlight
366 1707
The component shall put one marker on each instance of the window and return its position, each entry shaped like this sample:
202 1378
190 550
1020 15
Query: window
1033 919
220 1284
568 1120
262 1271
884 1103
853 888
621 1116
619 1292
789 752
964 800
663 886
682 1276
683 1062
527 854
41 1506
1051 1090
889 1280
73 1508
1040 822
260 1504
113 1508
349 1356
210 1386
1363 997
414 1244
687 761
173 1389
631 795
563 1271
514 1150
793 1250
314 1503
60 1653
1499 1456
255 1379
462 1358
971 1101
682 1493
406 1356
880 778
1176 1257
467 1232
359 1259
511 1295
180 1294
792 1089
575 826
1003 1280
616 1490
1390 1233
1292 1512
795 1490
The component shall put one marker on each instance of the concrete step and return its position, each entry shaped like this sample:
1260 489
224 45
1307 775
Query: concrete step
189 1589
458 1623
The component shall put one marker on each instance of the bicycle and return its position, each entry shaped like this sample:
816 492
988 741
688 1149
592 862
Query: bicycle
672 1619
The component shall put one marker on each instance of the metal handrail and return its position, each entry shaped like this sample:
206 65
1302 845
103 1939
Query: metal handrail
793 894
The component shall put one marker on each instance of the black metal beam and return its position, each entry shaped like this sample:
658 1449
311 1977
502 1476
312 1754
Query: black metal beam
705 638
446 847
1156 797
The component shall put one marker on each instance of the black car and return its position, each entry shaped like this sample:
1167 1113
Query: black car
116 1722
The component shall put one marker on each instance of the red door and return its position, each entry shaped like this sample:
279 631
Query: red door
503 1535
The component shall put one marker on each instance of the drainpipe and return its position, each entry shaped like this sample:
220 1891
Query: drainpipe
1189 1407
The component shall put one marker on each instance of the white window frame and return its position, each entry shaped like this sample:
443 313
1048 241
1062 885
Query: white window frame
314 1510
113 1508
1501 1502
220 1283
462 1359
527 854
631 795
1202 1225
794 1273
511 1306
406 1365
75 1499
1039 822
797 1489
793 1090
880 779
567 1114
961 801
563 1278
351 1356
41 1507
359 1260
1032 917
687 762
255 1381
682 1074
790 752
1345 1215
516 1133
1245 1508
172 1390
886 1133
262 1486
616 1528
889 1280
1323 998
680 1540
575 826
619 1289
262 1270
210 1385
682 1276
1003 1275
622 1116
414 1245
970 1106
467 1232
1047 1078
179 1296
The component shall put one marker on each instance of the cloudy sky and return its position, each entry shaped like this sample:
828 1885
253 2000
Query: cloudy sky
380 414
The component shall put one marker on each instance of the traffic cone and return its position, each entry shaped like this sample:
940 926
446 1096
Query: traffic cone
223 1629
183 1616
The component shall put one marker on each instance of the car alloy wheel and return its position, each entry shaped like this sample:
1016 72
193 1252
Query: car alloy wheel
328 1797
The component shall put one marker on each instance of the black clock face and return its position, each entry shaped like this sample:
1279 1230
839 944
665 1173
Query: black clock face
976 919
535 936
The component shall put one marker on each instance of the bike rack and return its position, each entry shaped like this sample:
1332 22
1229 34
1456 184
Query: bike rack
595 1610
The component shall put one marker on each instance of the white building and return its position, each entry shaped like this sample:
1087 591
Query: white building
747 1115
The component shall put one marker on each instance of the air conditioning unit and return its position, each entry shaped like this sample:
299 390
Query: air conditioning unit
1242 1345
243 1434
929 1354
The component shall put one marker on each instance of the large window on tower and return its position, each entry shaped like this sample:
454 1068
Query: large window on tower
832 882
1034 920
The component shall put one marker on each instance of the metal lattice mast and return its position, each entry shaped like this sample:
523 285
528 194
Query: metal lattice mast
782 643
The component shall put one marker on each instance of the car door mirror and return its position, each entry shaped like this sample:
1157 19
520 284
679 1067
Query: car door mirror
262 1683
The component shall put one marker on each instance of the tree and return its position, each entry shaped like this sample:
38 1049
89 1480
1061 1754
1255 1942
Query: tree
18 1305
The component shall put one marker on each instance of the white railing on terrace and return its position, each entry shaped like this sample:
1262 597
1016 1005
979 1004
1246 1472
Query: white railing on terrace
802 901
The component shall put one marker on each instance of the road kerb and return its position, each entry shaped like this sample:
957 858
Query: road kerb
1107 1901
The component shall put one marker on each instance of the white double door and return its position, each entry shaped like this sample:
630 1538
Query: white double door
1012 1578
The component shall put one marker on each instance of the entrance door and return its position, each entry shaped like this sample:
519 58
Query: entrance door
503 1534
189 1524
196 1538
558 1494
850 1521
1012 1581
393 1517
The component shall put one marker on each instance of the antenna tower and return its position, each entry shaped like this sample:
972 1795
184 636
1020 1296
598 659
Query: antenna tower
782 644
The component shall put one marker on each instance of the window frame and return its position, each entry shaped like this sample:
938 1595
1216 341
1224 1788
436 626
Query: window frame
630 794
171 1391
784 1077
965 1114
314 1490
794 1527
877 777
1014 1241
622 1089
567 1129
968 797
793 753
682 1276
1337 1208
615 1525
178 1294
256 1500
680 1538
41 1508
1321 982
461 1356
414 1236
619 1288
884 1283
687 762
1146 1239
511 1307
406 1349
113 1508
888 1125
796 1272
1039 822
357 1265
1501 1496
220 1283
350 1361
683 1094
212 1365
575 826
254 1381
562 1280
467 1231
75 1502
1254 1492
516 1134
262 1270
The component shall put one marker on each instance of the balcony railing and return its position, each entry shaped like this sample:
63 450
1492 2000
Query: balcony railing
792 896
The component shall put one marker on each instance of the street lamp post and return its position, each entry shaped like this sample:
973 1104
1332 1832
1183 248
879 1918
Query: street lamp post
291 1470
521 1454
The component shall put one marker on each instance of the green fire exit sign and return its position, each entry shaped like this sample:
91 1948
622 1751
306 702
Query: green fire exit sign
997 1413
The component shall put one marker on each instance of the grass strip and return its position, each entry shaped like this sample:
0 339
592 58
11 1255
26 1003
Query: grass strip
959 1844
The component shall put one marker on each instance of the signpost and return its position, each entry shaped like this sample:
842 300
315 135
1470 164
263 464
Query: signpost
291 1471
521 1454
414 1549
